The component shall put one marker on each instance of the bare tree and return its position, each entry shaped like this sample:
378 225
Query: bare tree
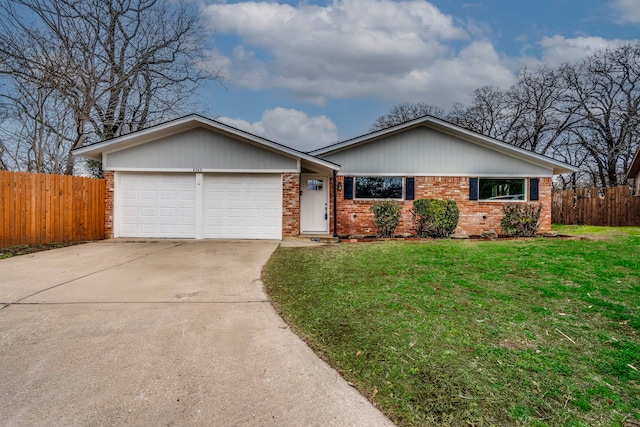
491 113
586 114
604 92
544 116
35 134
107 67
406 112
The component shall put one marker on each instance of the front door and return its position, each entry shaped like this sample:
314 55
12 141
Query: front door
314 204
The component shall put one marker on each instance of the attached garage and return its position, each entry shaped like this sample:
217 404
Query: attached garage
195 178
165 205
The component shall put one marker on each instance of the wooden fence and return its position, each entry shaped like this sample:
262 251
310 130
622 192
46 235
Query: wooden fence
38 208
613 207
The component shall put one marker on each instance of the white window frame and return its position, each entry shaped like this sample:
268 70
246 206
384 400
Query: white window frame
525 190
355 187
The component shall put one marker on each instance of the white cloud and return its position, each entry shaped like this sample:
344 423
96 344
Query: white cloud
558 49
627 11
290 127
394 50
397 51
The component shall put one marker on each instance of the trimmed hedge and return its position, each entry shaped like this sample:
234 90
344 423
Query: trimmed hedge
386 216
521 219
435 218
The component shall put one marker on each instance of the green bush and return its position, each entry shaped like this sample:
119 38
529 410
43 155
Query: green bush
521 219
435 218
386 215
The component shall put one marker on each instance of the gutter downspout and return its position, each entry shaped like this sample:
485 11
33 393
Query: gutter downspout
335 205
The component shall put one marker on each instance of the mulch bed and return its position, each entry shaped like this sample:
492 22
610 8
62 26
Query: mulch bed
12 251
365 239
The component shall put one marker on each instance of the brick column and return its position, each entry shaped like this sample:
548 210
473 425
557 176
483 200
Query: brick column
544 196
108 205
290 204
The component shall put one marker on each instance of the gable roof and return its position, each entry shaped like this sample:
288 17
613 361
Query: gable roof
456 131
182 124
635 166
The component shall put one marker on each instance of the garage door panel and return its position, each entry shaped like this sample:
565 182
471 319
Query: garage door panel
150 195
245 206
156 205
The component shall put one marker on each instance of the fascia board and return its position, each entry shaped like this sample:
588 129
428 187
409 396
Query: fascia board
635 166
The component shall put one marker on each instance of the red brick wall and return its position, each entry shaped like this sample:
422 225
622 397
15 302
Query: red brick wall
108 205
476 217
290 204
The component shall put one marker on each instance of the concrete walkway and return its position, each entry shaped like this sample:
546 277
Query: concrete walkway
158 333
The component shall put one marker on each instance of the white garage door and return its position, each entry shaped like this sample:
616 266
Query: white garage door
243 206
156 205
234 206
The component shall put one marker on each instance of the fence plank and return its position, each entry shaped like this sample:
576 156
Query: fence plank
616 207
39 208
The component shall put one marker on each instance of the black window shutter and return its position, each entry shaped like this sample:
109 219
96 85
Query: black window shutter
533 189
473 188
409 188
348 187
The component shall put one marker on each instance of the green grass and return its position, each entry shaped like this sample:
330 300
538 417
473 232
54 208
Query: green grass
594 230
536 332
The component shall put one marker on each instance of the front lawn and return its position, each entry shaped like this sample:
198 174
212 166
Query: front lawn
536 332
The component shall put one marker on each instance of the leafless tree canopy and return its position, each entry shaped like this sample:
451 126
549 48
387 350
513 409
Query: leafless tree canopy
585 114
406 112
88 70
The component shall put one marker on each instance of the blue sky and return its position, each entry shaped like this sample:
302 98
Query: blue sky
310 73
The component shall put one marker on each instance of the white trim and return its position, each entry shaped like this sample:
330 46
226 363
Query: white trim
471 175
201 170
525 190
402 180
199 206
117 203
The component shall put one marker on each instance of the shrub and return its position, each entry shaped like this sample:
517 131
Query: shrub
386 215
435 218
521 219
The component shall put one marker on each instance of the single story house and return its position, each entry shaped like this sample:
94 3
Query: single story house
634 172
194 177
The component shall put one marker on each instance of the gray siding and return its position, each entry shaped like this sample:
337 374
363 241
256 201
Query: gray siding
423 151
199 149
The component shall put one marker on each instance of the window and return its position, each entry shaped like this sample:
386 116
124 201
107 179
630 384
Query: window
501 189
314 184
378 187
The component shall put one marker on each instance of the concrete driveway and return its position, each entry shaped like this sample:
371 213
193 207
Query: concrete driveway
158 333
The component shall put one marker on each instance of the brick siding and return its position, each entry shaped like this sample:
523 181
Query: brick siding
290 204
476 217
108 205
